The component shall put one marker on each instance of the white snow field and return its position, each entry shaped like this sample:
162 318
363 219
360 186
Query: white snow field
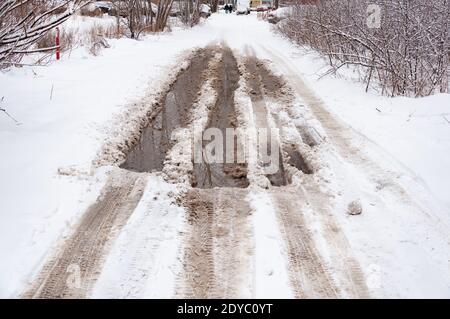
68 109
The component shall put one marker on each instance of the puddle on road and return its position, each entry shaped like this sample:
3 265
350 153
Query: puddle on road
297 160
222 116
279 178
175 112
149 154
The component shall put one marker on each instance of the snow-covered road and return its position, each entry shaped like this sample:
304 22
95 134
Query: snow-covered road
283 236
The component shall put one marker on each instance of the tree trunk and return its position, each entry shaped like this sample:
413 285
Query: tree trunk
214 5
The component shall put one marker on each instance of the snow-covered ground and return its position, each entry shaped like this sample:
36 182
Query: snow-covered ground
68 109
413 131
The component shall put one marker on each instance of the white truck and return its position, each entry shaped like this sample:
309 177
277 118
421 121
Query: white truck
242 6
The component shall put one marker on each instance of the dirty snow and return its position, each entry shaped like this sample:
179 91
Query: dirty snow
145 260
66 111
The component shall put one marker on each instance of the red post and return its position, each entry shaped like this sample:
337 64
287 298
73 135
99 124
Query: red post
58 45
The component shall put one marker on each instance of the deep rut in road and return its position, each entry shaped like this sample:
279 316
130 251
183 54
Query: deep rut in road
222 117
173 112
258 79
339 274
218 246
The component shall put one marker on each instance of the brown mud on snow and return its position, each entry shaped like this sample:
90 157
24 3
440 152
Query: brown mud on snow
309 276
222 116
259 80
274 86
277 88
218 246
175 112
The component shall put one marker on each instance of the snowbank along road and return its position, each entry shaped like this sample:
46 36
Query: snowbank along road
169 222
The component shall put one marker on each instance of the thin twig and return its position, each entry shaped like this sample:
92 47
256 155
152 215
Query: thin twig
20 64
446 119
9 115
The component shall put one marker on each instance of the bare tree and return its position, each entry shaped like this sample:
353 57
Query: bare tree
24 22
164 7
276 4
190 11
406 51
142 15
214 4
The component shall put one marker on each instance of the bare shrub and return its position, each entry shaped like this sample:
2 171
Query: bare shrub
112 32
93 39
190 11
98 43
48 40
213 4
24 23
140 16
407 53
96 39
68 40
91 12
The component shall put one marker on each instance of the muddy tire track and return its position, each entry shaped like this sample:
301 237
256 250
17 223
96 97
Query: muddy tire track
308 273
73 270
311 275
232 234
198 267
350 276
218 249
217 245
352 279
257 81
222 117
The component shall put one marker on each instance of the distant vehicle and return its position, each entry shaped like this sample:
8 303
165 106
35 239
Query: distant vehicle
243 7
263 8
